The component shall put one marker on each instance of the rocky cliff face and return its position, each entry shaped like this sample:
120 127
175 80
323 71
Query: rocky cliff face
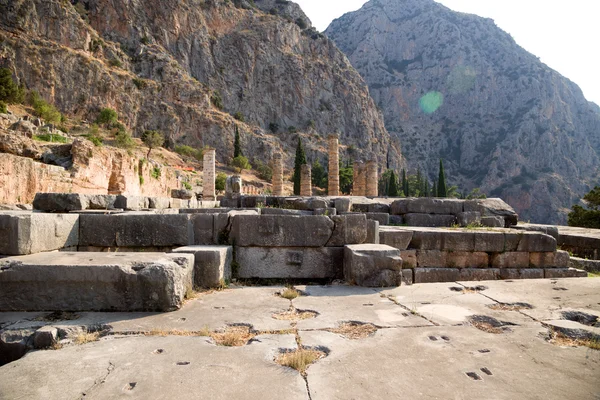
455 86
186 67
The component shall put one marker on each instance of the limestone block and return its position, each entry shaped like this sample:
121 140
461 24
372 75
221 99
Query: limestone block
136 230
283 211
343 204
289 262
467 259
378 208
409 258
491 242
133 203
23 232
558 259
399 239
407 276
429 239
372 232
512 240
493 207
348 229
521 273
396 220
427 205
479 274
399 207
183 194
329 211
159 203
373 265
95 282
458 240
59 202
45 337
536 242
564 273
581 263
429 275
431 258
283 230
468 218
204 229
383 218
253 201
360 207
212 264
493 222
547 229
510 259
431 220
223 224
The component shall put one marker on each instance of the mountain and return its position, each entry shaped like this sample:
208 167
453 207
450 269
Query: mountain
455 86
188 67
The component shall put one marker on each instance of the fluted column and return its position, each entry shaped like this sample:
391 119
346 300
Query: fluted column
278 175
372 179
208 180
305 180
333 188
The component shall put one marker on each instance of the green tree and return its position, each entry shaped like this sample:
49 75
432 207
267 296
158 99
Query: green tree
237 146
404 183
10 92
152 139
346 178
476 194
587 217
299 161
107 117
393 186
384 183
43 109
220 181
441 186
318 175
241 163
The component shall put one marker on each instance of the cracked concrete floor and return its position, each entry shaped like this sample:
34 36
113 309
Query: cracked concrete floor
424 347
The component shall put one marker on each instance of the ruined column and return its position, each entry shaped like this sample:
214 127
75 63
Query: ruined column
305 180
372 179
334 166
278 175
208 180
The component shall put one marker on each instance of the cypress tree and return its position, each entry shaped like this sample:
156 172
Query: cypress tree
441 187
237 146
298 162
393 186
404 183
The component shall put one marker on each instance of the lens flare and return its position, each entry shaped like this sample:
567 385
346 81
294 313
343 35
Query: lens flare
431 101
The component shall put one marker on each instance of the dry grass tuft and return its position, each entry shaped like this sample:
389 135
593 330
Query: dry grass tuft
86 337
487 327
299 359
176 332
289 293
489 324
560 339
355 330
294 315
510 306
234 336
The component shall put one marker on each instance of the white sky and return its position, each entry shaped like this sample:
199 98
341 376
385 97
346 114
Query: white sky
565 34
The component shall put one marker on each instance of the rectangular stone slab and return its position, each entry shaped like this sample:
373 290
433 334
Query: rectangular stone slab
212 264
65 281
374 265
282 230
290 262
26 232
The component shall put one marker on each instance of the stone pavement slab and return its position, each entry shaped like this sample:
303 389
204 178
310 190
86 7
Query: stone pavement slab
155 368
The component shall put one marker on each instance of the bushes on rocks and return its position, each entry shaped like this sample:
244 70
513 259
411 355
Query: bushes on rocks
189 151
10 92
220 181
590 217
107 117
241 163
3 109
152 139
43 109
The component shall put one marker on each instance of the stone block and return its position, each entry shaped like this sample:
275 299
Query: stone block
253 201
136 230
493 207
409 258
491 242
399 207
329 211
212 264
430 275
396 220
59 202
399 239
467 259
493 222
343 204
468 218
407 275
378 208
427 239
204 229
564 273
159 203
372 232
581 263
429 220
305 203
98 282
521 273
458 240
373 265
132 203
546 229
183 194
360 207
348 229
510 259
289 262
283 211
223 224
45 337
431 258
382 218
23 232
284 230
99 201
479 274
536 242
427 205
558 259
512 240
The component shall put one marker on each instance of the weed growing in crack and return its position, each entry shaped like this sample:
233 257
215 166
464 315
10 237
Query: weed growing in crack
354 330
86 337
300 359
234 336
561 339
289 293
294 314
510 306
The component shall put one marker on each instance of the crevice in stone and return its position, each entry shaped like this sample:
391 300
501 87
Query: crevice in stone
98 381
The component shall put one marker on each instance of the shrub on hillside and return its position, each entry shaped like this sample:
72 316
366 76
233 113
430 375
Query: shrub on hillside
10 92
43 109
265 172
107 116
3 109
220 181
124 140
189 151
152 139
590 217
241 163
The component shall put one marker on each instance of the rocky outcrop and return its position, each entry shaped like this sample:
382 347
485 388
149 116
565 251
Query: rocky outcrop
455 86
185 68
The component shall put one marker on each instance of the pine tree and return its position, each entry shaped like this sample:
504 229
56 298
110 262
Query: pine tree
393 186
441 186
404 183
298 163
237 146
318 175
419 183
